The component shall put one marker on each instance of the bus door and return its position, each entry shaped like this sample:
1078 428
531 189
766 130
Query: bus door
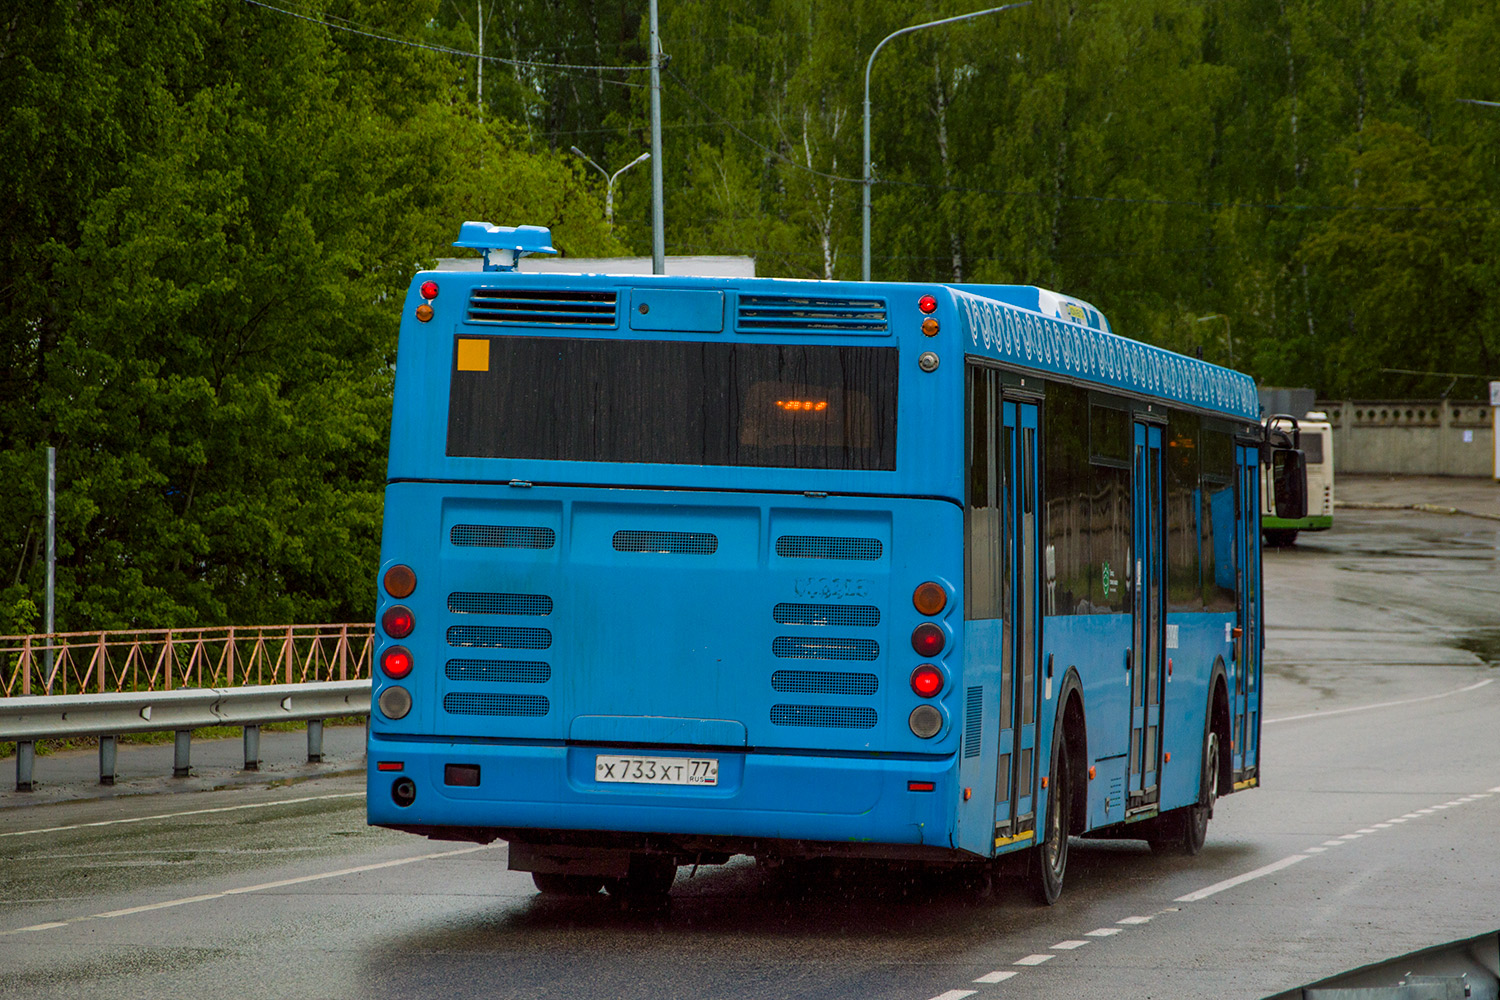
1015 793
1146 668
1244 735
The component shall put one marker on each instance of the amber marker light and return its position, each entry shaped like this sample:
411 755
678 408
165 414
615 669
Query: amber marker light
400 581
424 312
930 598
929 327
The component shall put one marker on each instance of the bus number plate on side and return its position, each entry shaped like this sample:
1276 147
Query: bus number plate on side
657 770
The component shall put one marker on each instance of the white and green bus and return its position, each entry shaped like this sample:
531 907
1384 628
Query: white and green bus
1313 434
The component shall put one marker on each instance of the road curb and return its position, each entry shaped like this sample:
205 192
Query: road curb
1426 508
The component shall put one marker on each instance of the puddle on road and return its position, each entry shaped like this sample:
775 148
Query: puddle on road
1482 642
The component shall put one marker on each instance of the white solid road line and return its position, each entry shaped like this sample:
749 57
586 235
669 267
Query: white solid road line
1383 704
188 812
1230 883
166 904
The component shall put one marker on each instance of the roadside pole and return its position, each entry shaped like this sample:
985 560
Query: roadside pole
1495 416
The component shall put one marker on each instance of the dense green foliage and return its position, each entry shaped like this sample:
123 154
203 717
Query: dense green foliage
211 213
1301 170
211 208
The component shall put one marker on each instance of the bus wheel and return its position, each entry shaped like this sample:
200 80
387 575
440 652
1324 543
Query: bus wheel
1183 831
558 884
1195 817
1280 537
1049 861
649 879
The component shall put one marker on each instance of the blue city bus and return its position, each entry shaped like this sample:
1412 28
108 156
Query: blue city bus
680 568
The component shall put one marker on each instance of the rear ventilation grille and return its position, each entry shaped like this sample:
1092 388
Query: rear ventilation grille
810 314
826 614
799 648
499 671
537 307
824 716
470 603
823 682
973 720
819 547
503 536
475 703
499 637
692 543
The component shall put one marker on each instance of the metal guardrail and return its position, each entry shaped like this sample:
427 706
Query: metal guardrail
67 663
108 716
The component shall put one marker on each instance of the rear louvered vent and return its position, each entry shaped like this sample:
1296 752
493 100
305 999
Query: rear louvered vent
503 536
823 682
497 637
476 703
820 547
470 603
691 543
826 614
538 307
499 671
799 648
824 716
973 720
810 314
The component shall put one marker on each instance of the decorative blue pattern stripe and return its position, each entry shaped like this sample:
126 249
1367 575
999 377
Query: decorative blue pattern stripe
1019 337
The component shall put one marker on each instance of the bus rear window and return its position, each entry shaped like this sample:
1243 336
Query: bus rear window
674 402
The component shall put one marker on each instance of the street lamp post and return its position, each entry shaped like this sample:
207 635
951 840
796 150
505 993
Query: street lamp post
609 180
865 246
1228 337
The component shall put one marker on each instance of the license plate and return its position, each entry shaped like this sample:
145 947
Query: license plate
657 770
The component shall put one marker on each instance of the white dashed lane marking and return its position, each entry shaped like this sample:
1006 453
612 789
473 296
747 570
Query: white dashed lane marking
1072 944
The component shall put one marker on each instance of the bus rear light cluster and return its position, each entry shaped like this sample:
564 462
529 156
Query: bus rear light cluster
395 702
927 640
400 581
396 662
398 621
930 598
927 680
925 721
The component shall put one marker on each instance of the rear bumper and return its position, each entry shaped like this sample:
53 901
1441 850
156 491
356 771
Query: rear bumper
759 795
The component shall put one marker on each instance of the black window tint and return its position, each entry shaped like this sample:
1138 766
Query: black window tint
678 402
1184 591
1217 540
983 585
1088 503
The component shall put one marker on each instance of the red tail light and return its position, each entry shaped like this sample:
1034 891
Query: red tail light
927 304
396 662
927 639
429 289
927 680
398 621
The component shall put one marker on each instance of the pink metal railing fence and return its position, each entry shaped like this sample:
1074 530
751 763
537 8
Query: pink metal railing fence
163 659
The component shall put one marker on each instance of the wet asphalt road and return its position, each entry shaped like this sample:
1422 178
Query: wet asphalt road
1375 833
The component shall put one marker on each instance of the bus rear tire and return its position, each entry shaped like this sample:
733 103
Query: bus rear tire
558 884
1049 861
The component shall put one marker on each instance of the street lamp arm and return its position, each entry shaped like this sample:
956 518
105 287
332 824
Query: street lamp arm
585 158
869 64
639 159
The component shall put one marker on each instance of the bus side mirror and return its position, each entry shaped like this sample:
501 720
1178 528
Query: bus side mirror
1289 475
